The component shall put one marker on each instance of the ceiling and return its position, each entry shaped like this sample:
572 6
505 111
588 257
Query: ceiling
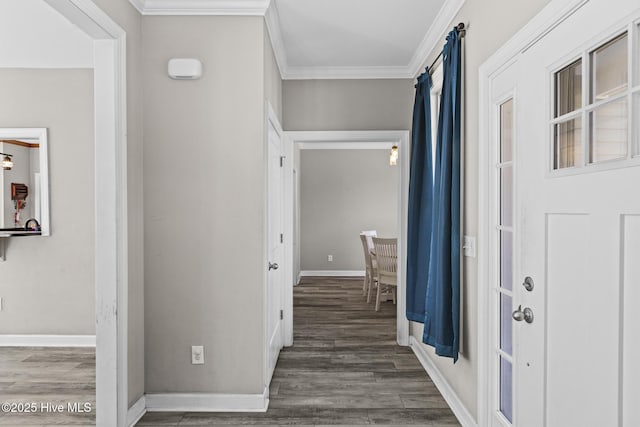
336 38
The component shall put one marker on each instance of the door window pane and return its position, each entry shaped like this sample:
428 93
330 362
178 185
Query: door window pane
608 130
505 323
567 150
609 73
636 123
506 131
506 396
506 196
506 262
568 89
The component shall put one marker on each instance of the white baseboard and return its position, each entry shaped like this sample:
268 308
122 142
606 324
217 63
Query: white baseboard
136 412
206 402
459 410
332 273
47 340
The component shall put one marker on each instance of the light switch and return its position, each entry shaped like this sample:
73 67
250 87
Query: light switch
469 246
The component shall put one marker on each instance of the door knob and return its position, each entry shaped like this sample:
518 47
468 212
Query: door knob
273 266
528 283
519 315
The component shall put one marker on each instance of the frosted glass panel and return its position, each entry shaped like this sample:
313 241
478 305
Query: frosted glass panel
506 395
608 130
609 71
506 261
506 308
506 196
568 89
506 131
568 144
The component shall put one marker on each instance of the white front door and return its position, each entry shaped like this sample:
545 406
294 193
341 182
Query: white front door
275 247
577 213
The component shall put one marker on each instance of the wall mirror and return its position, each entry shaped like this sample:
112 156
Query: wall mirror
24 182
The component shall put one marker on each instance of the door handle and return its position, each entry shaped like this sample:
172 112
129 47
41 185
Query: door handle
273 266
519 315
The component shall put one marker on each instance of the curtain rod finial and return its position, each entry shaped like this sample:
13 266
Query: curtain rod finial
461 29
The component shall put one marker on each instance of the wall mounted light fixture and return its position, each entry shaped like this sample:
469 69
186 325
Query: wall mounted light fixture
393 156
7 162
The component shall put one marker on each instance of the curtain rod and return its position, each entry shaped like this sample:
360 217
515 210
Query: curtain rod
461 33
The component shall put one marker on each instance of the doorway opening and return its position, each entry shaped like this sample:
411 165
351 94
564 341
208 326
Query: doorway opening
108 236
312 141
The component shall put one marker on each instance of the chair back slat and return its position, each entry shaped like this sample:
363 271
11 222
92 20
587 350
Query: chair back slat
367 254
386 251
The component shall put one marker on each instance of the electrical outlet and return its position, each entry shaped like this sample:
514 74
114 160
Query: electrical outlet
197 355
330 258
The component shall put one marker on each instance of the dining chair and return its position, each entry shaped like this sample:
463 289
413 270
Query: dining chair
386 256
368 234
370 275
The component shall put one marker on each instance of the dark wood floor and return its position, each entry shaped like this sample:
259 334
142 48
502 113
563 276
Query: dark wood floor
43 376
345 368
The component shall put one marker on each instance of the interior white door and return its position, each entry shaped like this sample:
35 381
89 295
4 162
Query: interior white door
578 210
275 223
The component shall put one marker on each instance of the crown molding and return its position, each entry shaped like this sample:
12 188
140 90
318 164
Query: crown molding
267 8
329 73
138 4
272 19
202 7
433 40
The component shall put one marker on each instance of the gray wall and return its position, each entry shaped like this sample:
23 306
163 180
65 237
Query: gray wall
125 15
319 105
342 193
347 104
47 283
487 31
204 272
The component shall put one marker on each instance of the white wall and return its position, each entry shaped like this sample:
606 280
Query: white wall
47 283
342 193
33 35
204 155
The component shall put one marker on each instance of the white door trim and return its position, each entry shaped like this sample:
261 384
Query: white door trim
550 17
354 140
111 257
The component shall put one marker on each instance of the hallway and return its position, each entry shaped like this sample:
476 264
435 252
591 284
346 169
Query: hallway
344 368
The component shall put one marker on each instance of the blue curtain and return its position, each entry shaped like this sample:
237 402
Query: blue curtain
420 201
442 305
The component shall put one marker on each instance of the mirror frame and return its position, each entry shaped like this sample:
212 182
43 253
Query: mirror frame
41 135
